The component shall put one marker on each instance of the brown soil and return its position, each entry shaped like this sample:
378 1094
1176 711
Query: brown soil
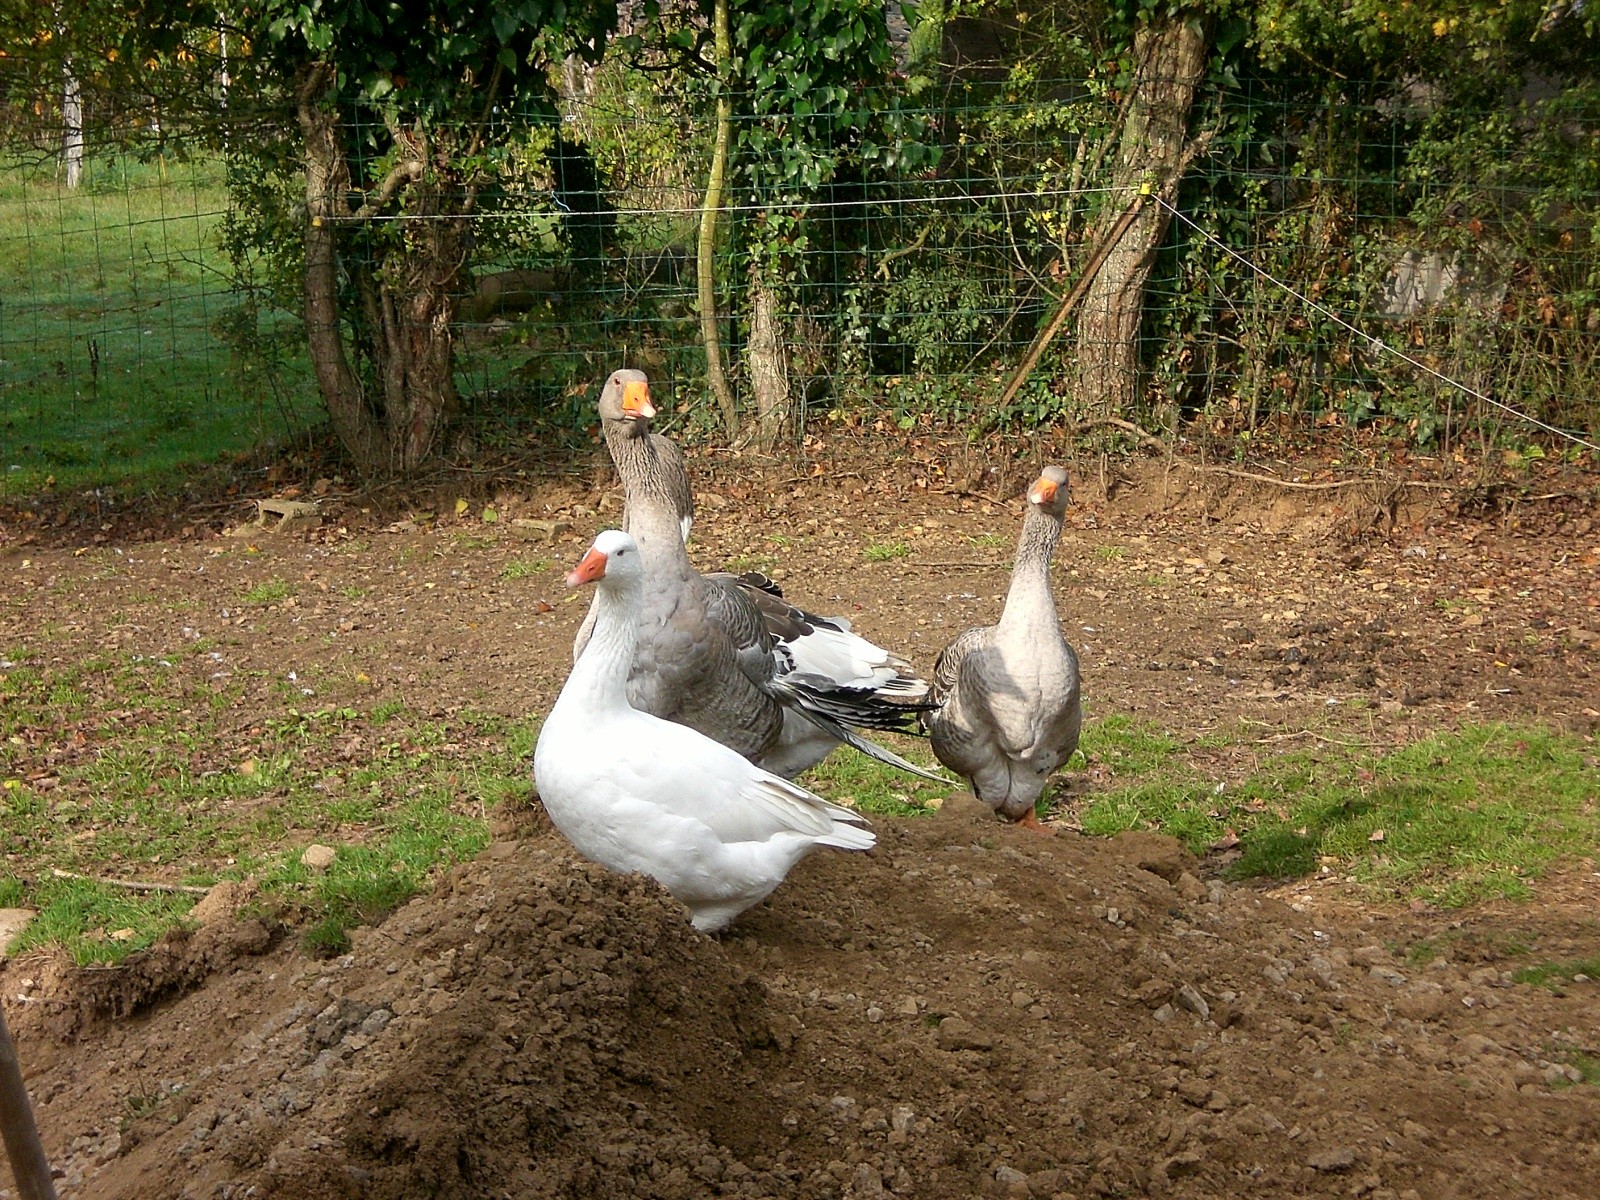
971 1009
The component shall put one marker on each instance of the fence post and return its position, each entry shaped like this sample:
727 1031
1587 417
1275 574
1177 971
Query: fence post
17 1127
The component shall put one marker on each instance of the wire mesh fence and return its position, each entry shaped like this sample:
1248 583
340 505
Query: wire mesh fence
1331 266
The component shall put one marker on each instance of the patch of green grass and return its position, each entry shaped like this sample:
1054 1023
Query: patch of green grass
475 541
856 781
986 541
522 568
270 592
1110 553
114 290
1127 746
885 551
739 563
383 713
166 796
1587 1064
1552 974
94 923
352 592
1456 818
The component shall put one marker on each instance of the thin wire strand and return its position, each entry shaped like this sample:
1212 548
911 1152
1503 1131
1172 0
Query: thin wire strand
1376 342
771 206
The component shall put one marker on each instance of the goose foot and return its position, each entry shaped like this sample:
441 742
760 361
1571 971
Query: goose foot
1030 821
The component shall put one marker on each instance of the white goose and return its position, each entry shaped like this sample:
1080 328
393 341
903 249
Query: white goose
1010 705
636 793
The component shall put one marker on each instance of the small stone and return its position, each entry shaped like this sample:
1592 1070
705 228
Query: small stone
1483 977
1047 1182
843 1107
1192 1000
1388 974
1190 888
1165 1013
866 1183
1368 956
1013 1181
957 1034
901 1119
907 1007
1475 1045
1021 1000
318 857
1183 1164
874 1014
1415 1131
1340 1158
12 922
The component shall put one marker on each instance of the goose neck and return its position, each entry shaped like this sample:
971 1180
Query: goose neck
599 678
653 515
1029 600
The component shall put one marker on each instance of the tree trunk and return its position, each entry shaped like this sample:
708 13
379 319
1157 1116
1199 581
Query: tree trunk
767 360
1170 57
710 327
408 300
71 128
414 346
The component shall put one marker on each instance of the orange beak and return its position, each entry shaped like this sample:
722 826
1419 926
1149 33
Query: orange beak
1042 492
636 400
591 566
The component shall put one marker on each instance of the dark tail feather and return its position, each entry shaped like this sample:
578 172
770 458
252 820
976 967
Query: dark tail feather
865 708
887 757
850 737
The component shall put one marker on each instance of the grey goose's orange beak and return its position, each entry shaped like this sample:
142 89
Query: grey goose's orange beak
591 566
636 400
1042 492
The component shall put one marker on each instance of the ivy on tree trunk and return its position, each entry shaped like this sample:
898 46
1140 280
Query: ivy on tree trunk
1170 60
407 301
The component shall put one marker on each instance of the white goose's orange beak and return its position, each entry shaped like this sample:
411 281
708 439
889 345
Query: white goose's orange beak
1043 492
636 400
591 566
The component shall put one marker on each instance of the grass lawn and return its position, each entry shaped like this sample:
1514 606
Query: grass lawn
1466 815
110 296
155 794
124 766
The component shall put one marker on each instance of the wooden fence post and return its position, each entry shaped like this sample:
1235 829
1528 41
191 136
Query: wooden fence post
17 1127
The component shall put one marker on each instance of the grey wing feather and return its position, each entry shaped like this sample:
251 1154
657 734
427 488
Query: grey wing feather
728 605
947 668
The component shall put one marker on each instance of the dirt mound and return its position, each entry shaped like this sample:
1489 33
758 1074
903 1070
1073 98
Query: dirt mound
489 1039
969 1010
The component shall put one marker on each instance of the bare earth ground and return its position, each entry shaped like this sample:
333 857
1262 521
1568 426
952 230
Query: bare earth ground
968 1010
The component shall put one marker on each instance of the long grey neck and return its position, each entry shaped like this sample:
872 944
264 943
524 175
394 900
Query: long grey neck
1030 604
652 517
599 678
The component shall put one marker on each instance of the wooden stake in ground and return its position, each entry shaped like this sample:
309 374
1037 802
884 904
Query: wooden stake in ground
17 1127
1079 289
